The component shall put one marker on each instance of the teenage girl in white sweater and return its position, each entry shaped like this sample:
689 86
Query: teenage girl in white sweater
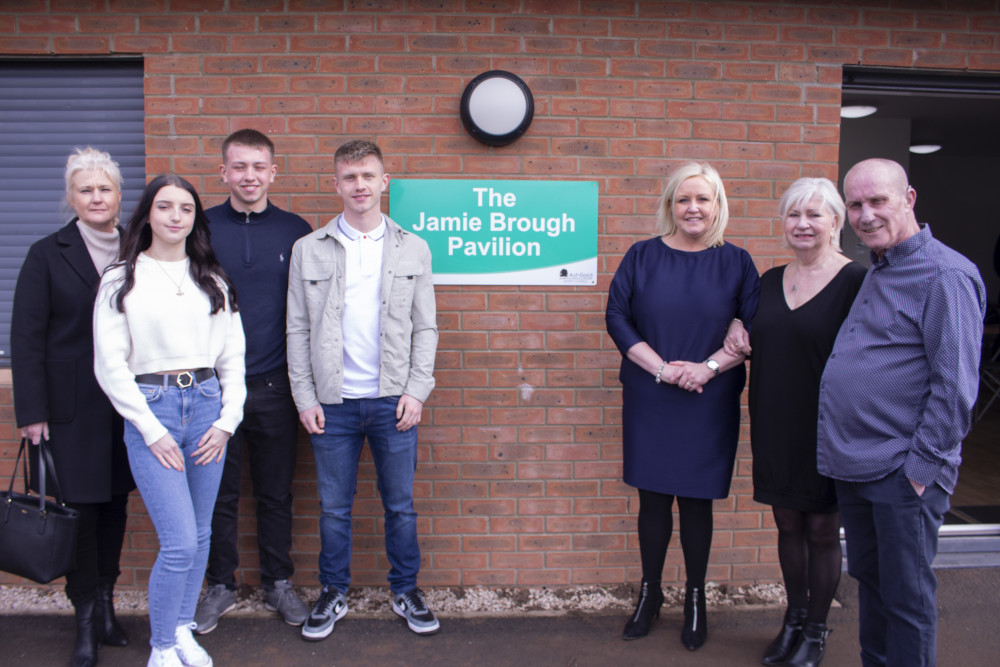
169 347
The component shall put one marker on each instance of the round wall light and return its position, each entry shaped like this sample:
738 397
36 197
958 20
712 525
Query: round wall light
497 108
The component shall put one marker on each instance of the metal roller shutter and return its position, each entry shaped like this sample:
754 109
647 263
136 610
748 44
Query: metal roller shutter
48 107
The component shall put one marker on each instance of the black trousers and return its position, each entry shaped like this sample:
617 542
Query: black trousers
892 539
101 530
270 432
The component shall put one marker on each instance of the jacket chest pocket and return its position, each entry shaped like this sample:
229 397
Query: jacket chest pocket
404 284
317 278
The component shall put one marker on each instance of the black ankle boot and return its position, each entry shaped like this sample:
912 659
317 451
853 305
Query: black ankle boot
809 652
648 607
782 646
85 651
112 634
695 630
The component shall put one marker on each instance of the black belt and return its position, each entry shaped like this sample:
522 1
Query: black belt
185 379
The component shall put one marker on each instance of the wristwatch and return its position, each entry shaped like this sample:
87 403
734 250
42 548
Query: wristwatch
713 366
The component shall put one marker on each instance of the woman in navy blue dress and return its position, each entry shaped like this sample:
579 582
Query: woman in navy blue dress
669 306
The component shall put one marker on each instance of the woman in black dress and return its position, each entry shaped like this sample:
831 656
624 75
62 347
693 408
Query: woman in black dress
802 305
668 307
56 396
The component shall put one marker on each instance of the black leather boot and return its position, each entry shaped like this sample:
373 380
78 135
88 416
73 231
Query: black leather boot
809 652
695 630
782 646
648 607
87 642
111 633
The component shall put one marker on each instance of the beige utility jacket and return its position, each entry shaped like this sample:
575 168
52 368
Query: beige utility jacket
407 318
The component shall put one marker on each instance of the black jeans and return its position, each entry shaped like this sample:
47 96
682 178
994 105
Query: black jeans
100 531
270 431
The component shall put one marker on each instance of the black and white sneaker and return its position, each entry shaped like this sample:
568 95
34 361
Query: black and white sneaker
329 608
411 606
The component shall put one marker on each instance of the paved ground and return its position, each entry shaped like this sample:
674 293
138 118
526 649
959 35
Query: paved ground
969 602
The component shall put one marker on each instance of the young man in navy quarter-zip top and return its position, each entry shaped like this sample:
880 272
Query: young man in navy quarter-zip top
253 240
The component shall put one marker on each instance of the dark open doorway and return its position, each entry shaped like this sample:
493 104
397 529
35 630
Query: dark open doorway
956 194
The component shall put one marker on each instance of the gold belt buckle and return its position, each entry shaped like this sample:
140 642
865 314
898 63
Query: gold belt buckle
180 380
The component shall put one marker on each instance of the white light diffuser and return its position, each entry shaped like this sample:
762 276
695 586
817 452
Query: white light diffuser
857 111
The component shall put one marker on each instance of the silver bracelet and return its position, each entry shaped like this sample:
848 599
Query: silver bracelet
660 372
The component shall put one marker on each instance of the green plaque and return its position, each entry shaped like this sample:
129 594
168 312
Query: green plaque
502 232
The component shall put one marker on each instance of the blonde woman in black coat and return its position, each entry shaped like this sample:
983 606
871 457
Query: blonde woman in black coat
57 398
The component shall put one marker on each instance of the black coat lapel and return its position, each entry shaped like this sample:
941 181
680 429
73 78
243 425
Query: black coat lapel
74 251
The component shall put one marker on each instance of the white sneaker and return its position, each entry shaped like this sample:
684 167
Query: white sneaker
164 657
190 652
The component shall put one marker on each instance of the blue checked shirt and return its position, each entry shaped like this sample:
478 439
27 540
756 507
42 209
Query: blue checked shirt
899 386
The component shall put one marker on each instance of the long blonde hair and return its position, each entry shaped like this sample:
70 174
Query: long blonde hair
665 225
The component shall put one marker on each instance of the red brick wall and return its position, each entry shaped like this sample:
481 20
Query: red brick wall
519 477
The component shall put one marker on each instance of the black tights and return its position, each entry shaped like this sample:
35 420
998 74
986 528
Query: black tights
656 524
101 529
809 553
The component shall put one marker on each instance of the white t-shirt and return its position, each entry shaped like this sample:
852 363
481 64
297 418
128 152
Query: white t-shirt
362 283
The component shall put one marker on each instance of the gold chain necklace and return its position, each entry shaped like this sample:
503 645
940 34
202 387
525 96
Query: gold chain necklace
175 283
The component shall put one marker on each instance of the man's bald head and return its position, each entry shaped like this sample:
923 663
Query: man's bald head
880 203
891 172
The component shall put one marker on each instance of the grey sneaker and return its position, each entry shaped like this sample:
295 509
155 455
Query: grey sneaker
411 606
216 601
329 608
283 599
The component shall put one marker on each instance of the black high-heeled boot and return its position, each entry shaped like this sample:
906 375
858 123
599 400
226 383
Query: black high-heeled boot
85 650
782 646
111 633
695 630
648 607
809 652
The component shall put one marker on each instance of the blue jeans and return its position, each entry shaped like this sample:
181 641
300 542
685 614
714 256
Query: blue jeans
337 452
892 537
179 503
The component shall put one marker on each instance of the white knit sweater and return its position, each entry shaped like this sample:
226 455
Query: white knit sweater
162 331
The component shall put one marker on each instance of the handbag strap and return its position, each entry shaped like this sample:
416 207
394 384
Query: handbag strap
44 462
13 475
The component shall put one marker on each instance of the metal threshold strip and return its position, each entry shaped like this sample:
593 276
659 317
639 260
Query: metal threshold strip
968 545
962 545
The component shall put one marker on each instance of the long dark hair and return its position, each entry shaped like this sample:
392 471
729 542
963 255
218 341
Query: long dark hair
206 272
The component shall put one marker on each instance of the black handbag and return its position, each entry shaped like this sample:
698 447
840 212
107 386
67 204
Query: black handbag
37 536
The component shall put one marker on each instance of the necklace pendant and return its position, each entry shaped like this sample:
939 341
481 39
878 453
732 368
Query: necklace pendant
179 292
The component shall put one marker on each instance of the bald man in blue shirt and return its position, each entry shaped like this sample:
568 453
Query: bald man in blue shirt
895 403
